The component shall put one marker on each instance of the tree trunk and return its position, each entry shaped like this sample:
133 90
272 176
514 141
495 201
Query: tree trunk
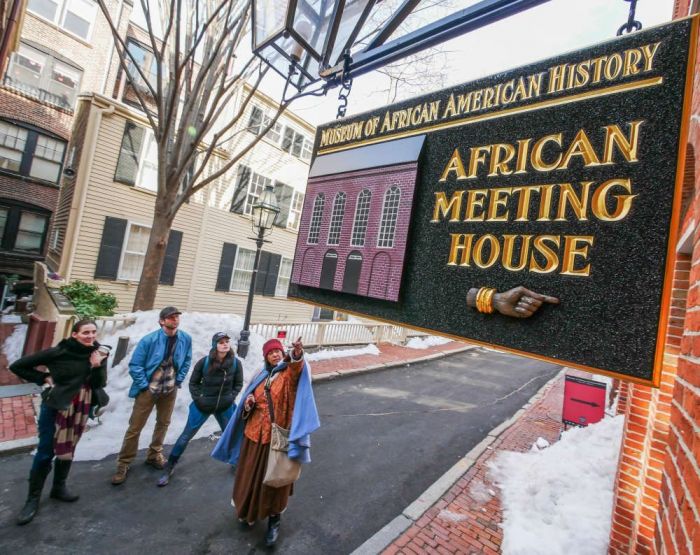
153 262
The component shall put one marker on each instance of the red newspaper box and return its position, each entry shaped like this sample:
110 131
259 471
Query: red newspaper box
584 401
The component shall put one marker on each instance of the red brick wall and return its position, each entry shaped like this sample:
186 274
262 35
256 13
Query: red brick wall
657 488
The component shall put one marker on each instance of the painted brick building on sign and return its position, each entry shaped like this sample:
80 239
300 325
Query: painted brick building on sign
358 210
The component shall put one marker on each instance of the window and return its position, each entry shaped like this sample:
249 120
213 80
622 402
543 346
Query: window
134 252
259 120
29 153
242 270
390 213
75 16
53 243
292 142
316 215
22 229
295 210
306 150
147 174
43 76
337 219
285 273
359 226
146 62
255 189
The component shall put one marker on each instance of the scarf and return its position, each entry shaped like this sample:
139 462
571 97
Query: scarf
70 424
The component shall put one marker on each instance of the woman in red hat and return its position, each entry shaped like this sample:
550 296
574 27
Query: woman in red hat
285 383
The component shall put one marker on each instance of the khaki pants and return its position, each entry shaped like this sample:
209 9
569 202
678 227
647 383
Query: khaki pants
143 406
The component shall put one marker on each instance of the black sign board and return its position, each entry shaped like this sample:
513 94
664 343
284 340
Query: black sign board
562 176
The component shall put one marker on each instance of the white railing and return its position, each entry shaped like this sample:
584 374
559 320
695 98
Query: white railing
319 334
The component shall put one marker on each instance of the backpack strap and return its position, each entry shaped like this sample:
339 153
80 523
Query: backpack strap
206 367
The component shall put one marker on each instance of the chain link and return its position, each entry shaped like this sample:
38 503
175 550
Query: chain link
632 24
345 87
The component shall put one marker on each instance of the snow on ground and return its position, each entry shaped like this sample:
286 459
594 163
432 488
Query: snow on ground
13 345
104 437
325 354
427 341
558 499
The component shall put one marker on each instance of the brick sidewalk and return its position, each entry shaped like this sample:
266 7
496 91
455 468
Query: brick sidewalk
467 519
17 413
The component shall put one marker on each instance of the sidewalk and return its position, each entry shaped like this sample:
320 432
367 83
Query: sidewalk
461 512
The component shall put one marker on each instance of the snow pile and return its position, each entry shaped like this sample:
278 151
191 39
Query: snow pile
558 499
104 437
331 353
15 343
427 341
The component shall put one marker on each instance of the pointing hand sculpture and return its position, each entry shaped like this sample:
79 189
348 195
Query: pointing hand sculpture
518 302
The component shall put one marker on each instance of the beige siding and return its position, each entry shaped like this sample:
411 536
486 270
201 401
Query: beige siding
206 223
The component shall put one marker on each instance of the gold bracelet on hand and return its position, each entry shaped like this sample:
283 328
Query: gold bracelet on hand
484 300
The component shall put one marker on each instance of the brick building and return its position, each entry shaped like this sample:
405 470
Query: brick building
60 49
657 488
358 209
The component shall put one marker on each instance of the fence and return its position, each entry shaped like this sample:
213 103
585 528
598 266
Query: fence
319 334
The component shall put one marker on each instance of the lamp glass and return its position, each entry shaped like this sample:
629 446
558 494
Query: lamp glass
265 210
270 18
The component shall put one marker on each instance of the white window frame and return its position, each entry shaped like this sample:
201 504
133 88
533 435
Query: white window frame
336 222
125 242
60 18
354 231
148 138
256 181
381 220
294 218
282 278
320 219
274 135
53 242
236 268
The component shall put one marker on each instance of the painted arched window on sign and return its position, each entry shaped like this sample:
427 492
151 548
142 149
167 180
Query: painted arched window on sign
330 263
390 213
337 219
353 269
359 226
316 215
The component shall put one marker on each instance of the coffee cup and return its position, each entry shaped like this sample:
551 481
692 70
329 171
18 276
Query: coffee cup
104 349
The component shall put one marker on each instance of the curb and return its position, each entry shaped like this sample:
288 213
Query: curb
384 537
15 446
385 365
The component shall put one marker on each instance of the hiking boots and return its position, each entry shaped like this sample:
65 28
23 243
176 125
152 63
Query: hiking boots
120 475
36 484
158 461
60 474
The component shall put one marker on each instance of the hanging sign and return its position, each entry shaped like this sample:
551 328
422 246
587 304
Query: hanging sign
584 401
535 210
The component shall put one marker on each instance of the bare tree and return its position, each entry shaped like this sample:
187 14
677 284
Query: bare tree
187 99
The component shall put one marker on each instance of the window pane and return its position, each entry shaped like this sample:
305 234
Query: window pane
3 221
359 229
10 159
64 82
283 278
147 176
298 144
255 189
30 232
134 252
273 135
48 156
390 214
288 139
45 8
79 17
256 119
243 270
132 265
295 211
315 225
336 219
12 137
138 239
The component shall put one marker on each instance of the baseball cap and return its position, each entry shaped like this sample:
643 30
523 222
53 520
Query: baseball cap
168 311
218 336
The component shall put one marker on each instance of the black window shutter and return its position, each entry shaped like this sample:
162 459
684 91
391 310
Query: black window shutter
228 257
172 253
110 248
272 272
241 191
128 163
262 273
284 200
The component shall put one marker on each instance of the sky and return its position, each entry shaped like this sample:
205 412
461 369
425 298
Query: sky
555 27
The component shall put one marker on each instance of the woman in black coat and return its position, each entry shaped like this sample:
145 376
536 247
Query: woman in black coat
214 385
75 367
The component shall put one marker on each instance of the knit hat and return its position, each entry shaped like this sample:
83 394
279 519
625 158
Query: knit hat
270 345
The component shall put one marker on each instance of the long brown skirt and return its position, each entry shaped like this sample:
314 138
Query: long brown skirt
254 500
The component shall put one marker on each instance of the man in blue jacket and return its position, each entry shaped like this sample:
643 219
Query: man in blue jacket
158 367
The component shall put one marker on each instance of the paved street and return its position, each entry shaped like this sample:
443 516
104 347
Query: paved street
385 437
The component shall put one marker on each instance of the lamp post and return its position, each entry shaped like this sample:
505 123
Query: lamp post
264 212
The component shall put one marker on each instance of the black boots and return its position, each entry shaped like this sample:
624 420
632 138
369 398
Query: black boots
36 484
273 530
60 473
164 480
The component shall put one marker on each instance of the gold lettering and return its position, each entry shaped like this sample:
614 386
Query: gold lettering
508 251
498 166
581 146
454 164
628 148
461 246
494 251
475 199
572 250
599 202
442 207
550 256
498 198
477 155
579 204
537 162
649 51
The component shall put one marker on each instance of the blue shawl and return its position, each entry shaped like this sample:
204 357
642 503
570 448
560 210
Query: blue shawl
304 420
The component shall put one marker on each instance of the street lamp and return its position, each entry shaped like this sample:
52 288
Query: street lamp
306 36
264 213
